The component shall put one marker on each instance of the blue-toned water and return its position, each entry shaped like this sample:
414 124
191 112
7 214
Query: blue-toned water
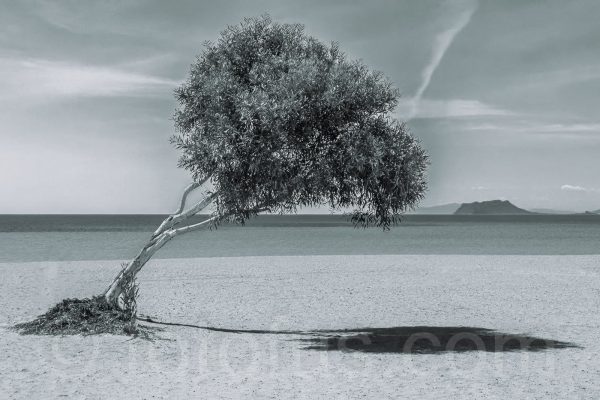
95 237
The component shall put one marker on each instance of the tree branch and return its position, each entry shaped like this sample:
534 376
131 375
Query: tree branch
191 187
179 215
193 227
171 233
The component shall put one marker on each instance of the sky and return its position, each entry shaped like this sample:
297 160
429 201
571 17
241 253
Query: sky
504 95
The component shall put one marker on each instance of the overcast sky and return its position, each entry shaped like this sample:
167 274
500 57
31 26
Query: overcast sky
504 94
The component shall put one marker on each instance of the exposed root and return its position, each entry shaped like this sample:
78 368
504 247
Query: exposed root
83 317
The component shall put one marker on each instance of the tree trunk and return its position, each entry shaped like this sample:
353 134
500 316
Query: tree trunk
114 291
167 230
164 233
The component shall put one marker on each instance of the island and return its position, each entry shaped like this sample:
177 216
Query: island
492 207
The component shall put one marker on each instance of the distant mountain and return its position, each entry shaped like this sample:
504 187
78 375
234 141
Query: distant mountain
596 212
493 207
442 209
551 211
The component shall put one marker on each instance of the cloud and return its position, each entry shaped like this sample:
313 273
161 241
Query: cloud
571 188
83 17
565 76
452 108
441 44
537 127
580 189
550 128
44 78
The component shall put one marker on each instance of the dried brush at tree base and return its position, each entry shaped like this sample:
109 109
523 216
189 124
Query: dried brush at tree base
89 317
78 316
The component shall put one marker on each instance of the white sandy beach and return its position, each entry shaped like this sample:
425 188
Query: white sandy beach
555 297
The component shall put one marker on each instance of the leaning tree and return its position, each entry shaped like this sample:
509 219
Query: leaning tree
271 119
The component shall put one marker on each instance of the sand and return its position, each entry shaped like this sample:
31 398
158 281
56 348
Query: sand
556 297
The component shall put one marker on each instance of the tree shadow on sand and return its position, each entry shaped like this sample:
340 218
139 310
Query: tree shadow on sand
429 340
404 339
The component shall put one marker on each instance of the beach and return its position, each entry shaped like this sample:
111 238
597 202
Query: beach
550 296
299 200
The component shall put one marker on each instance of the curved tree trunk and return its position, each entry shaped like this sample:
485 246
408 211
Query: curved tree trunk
114 291
163 234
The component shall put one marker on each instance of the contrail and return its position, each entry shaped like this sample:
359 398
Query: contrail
441 44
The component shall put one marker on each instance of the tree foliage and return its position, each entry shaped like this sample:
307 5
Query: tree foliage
278 120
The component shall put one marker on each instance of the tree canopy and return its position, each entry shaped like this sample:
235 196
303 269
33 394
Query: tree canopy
279 120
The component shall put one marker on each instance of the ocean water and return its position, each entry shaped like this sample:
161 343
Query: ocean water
107 237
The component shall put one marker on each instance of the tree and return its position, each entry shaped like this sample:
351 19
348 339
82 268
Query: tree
271 119
275 119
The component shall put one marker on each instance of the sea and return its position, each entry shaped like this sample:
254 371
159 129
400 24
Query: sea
26 238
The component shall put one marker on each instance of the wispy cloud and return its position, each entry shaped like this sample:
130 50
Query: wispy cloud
565 76
572 188
451 108
581 189
44 78
558 128
537 127
440 46
83 17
